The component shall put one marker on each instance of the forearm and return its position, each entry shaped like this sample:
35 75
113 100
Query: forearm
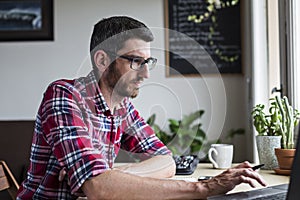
115 184
161 166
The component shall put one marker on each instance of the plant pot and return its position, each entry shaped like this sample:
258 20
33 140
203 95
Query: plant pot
285 158
266 153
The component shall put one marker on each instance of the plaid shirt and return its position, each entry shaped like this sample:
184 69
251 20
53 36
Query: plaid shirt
75 130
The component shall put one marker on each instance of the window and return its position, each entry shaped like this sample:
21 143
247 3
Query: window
289 49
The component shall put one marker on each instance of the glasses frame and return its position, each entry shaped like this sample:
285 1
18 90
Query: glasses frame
137 59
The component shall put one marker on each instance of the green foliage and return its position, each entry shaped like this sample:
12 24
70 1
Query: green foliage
265 124
233 132
186 135
280 120
163 136
289 118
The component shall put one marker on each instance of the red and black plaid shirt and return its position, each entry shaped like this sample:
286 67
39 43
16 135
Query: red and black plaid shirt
75 130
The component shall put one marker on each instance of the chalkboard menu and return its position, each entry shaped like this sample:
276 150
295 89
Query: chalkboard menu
203 37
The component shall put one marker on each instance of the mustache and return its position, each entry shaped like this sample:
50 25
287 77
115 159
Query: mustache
138 79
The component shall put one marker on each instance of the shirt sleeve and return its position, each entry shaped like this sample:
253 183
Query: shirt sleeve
139 138
68 136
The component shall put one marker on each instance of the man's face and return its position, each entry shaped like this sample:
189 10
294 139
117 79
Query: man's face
125 81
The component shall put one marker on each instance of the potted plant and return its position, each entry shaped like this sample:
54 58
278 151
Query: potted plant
289 118
185 136
268 138
272 129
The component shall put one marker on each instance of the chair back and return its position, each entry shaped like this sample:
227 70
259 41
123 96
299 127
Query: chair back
7 180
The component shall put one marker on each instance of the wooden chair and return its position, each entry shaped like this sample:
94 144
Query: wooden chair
7 180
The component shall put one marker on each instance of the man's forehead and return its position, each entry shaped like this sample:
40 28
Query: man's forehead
135 45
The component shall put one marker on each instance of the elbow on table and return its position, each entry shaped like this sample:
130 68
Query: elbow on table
171 167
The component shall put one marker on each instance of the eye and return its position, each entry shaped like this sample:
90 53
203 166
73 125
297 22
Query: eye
138 60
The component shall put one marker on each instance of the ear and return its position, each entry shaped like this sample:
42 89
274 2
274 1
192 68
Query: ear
101 60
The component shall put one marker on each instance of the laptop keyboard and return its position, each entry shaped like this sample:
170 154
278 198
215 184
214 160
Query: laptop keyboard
273 192
280 196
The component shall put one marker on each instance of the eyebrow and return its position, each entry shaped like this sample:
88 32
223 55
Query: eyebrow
135 56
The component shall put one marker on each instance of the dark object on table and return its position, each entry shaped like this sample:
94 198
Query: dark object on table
186 165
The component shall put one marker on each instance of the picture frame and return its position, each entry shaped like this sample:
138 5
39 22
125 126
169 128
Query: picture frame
203 38
26 20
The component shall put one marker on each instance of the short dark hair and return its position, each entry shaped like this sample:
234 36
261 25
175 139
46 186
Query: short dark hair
110 34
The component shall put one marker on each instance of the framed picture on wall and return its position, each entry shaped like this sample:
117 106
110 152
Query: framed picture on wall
24 20
204 37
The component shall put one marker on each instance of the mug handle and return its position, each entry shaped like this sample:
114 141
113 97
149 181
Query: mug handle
212 150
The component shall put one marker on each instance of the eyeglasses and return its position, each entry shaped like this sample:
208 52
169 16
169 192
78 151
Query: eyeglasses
137 63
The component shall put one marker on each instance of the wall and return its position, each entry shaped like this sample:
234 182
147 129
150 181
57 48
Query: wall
28 67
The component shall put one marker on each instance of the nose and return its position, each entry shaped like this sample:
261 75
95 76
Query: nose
144 71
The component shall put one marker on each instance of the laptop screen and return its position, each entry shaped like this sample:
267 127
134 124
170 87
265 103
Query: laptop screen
294 192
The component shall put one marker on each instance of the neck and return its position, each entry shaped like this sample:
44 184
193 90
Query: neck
111 98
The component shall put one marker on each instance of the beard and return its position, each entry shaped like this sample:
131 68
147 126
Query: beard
119 83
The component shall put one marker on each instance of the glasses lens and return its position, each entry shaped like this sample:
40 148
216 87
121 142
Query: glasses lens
136 63
139 63
151 63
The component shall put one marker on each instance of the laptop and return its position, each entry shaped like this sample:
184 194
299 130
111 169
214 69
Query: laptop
284 191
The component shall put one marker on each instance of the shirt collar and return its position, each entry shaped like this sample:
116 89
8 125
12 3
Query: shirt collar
93 91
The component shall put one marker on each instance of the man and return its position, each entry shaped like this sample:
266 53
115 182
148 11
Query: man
82 124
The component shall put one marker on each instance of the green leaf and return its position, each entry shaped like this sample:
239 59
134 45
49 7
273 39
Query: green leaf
189 119
184 136
174 122
151 120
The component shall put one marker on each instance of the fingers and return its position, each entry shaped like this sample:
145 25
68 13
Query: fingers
247 180
253 175
232 177
226 181
62 174
247 175
245 164
242 175
250 176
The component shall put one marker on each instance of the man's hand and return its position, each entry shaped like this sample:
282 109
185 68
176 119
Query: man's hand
62 174
226 181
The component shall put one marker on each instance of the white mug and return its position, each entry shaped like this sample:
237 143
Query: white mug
221 155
